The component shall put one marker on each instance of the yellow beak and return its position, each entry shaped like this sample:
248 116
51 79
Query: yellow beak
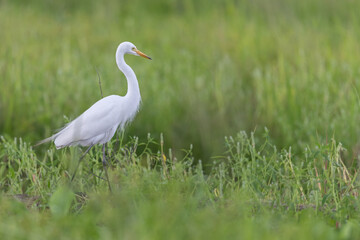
142 54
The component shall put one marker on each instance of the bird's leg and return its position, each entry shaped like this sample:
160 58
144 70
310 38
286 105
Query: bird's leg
81 158
105 167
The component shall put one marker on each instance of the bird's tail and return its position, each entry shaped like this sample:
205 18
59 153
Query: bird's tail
44 141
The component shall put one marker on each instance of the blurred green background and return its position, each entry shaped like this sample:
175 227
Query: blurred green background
218 67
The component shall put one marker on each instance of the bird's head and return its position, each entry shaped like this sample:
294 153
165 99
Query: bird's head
129 48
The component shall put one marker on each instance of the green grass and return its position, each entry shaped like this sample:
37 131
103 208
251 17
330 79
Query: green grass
218 68
253 191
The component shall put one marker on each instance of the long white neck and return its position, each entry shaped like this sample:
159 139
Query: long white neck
133 91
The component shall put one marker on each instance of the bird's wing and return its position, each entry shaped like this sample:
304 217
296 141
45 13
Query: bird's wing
98 119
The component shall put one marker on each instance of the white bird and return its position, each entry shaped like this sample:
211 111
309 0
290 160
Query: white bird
98 124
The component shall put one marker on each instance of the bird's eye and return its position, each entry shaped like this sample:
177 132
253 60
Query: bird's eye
133 49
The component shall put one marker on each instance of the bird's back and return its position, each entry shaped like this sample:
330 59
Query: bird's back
96 125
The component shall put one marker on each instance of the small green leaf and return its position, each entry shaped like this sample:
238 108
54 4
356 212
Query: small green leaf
60 201
324 198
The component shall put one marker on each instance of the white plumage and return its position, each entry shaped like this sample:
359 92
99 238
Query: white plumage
98 124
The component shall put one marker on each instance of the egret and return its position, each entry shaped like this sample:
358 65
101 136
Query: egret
98 124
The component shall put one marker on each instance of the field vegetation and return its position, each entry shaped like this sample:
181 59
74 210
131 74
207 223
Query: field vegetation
248 126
